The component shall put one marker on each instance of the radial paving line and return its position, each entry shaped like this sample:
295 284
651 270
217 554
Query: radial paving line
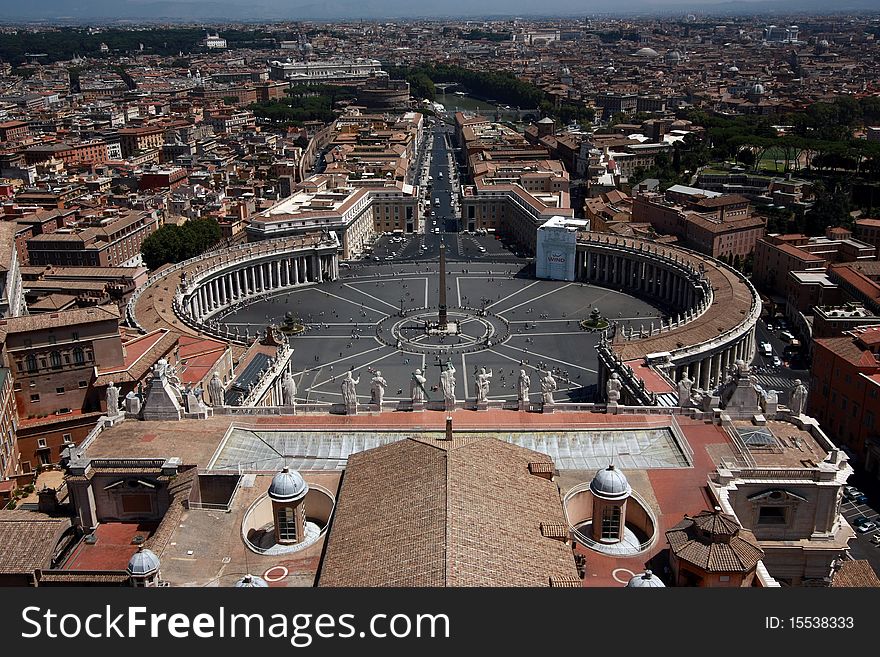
522 289
535 354
533 299
354 303
352 287
362 365
339 360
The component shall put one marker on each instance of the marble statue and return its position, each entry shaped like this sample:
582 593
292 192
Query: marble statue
417 387
523 384
112 400
481 381
349 392
798 401
160 369
288 389
447 382
684 391
613 387
548 387
132 403
377 389
216 393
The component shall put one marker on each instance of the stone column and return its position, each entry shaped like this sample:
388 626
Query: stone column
261 275
717 371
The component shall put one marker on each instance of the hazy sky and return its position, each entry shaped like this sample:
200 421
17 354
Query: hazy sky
346 9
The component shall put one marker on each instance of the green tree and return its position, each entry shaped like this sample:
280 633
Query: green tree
173 243
421 86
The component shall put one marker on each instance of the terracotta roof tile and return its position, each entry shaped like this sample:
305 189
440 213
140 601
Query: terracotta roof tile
855 573
438 513
28 540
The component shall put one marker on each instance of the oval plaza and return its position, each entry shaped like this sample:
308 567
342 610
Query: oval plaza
674 423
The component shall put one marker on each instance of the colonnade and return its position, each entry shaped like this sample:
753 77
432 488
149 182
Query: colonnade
237 281
709 371
673 282
637 272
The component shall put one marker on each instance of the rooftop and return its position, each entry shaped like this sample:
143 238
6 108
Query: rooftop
28 539
416 513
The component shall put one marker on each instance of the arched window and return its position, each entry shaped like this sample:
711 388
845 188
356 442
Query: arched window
78 356
55 359
31 363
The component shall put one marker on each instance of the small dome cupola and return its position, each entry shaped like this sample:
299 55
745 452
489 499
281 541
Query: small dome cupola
646 580
288 494
287 486
143 567
610 484
143 563
251 581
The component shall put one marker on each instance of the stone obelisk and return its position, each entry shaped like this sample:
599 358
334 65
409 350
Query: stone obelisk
442 322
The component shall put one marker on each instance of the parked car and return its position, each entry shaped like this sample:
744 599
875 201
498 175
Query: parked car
767 349
786 335
866 526
777 361
853 494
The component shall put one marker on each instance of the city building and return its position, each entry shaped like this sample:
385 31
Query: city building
845 392
333 203
718 225
309 72
110 239
9 454
52 359
214 42
11 292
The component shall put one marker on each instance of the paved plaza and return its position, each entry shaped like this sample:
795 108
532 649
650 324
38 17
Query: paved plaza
354 324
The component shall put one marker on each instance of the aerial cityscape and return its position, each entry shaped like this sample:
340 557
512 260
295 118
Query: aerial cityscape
357 296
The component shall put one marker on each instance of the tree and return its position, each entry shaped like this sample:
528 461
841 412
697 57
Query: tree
831 208
746 156
421 86
173 243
